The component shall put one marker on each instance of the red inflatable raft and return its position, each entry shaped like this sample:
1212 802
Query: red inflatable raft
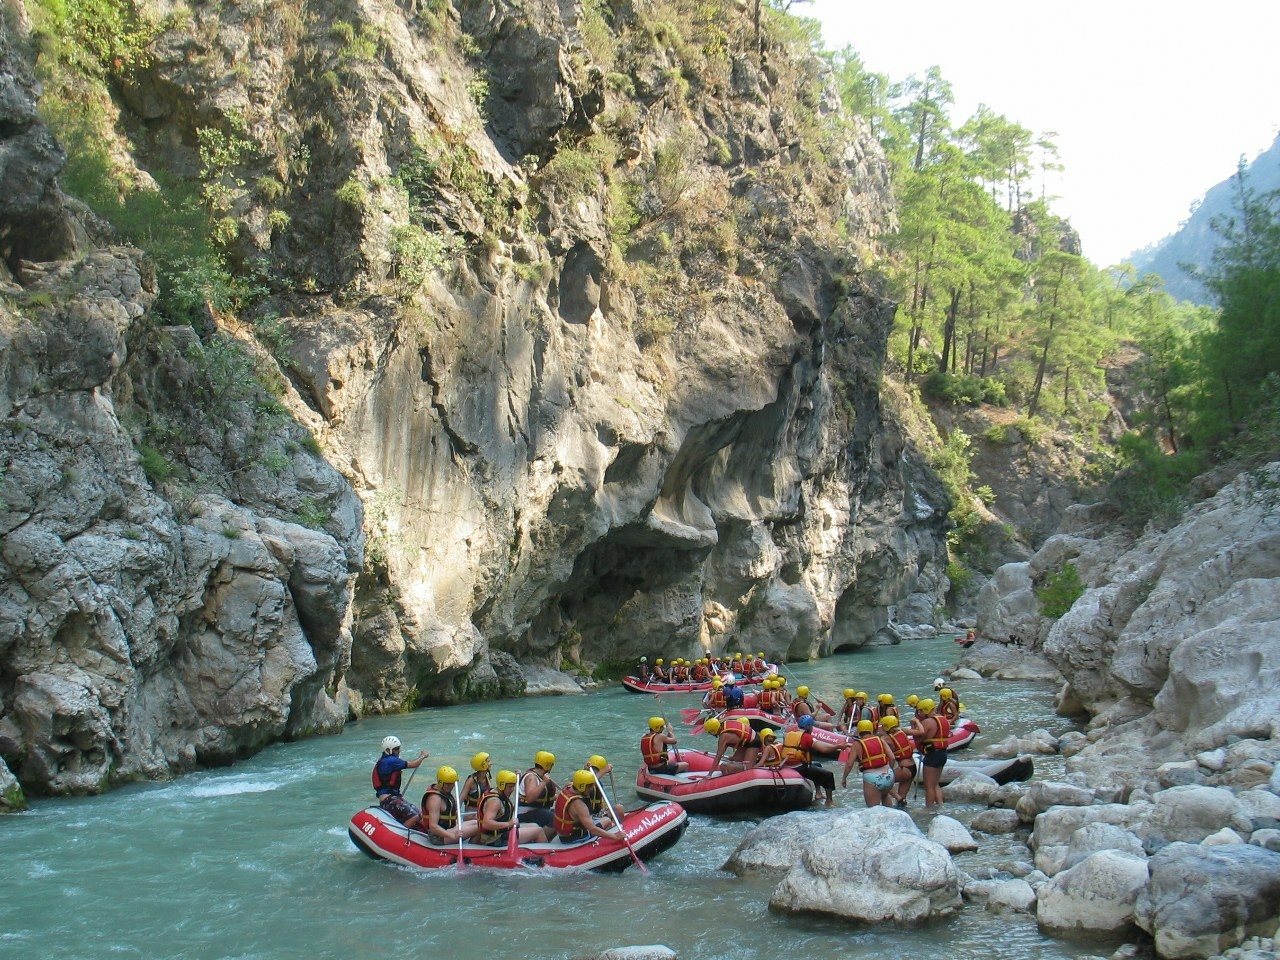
635 685
650 830
763 788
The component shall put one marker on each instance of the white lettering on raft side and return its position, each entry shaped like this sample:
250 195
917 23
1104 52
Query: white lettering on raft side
647 821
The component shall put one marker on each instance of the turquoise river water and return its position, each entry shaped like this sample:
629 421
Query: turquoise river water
253 861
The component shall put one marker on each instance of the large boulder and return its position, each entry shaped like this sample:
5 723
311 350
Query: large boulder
1203 900
1095 898
1191 813
776 844
873 866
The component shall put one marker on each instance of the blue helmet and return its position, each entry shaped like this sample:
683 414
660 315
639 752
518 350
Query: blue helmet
805 722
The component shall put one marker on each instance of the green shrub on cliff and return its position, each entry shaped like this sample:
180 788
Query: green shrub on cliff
1059 590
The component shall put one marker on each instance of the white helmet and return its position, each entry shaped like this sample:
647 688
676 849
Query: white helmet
390 743
939 683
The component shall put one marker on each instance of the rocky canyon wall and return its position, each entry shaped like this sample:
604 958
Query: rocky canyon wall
575 301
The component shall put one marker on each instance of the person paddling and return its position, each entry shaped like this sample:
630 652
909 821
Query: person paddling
573 820
477 783
386 782
655 749
538 791
497 815
440 814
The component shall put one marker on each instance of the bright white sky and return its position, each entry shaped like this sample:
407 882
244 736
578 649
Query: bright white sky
1152 103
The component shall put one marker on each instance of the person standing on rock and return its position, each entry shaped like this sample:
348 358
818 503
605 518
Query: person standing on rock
386 782
904 755
874 758
931 732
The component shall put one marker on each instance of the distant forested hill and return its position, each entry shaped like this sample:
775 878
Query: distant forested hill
1195 242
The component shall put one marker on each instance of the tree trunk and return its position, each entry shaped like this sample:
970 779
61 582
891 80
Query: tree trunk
949 331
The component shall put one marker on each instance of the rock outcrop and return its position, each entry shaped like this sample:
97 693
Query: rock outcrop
1172 647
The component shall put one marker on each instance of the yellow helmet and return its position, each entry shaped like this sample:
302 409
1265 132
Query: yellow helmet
717 683
860 695
480 762
782 681
507 778
802 691
597 761
848 694
768 734
760 655
544 759
446 776
656 724
889 722
865 726
926 705
659 661
885 698
583 780
945 693
712 726
913 700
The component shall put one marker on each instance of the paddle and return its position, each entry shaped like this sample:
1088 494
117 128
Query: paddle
513 835
822 703
457 800
621 829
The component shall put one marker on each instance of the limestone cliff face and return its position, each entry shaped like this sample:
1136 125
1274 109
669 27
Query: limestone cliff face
576 305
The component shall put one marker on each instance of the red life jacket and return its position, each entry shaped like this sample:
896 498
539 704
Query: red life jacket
566 827
741 727
903 747
768 699
382 784
939 740
874 752
716 700
800 707
654 753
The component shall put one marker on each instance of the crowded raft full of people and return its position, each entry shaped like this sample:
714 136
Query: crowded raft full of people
509 820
